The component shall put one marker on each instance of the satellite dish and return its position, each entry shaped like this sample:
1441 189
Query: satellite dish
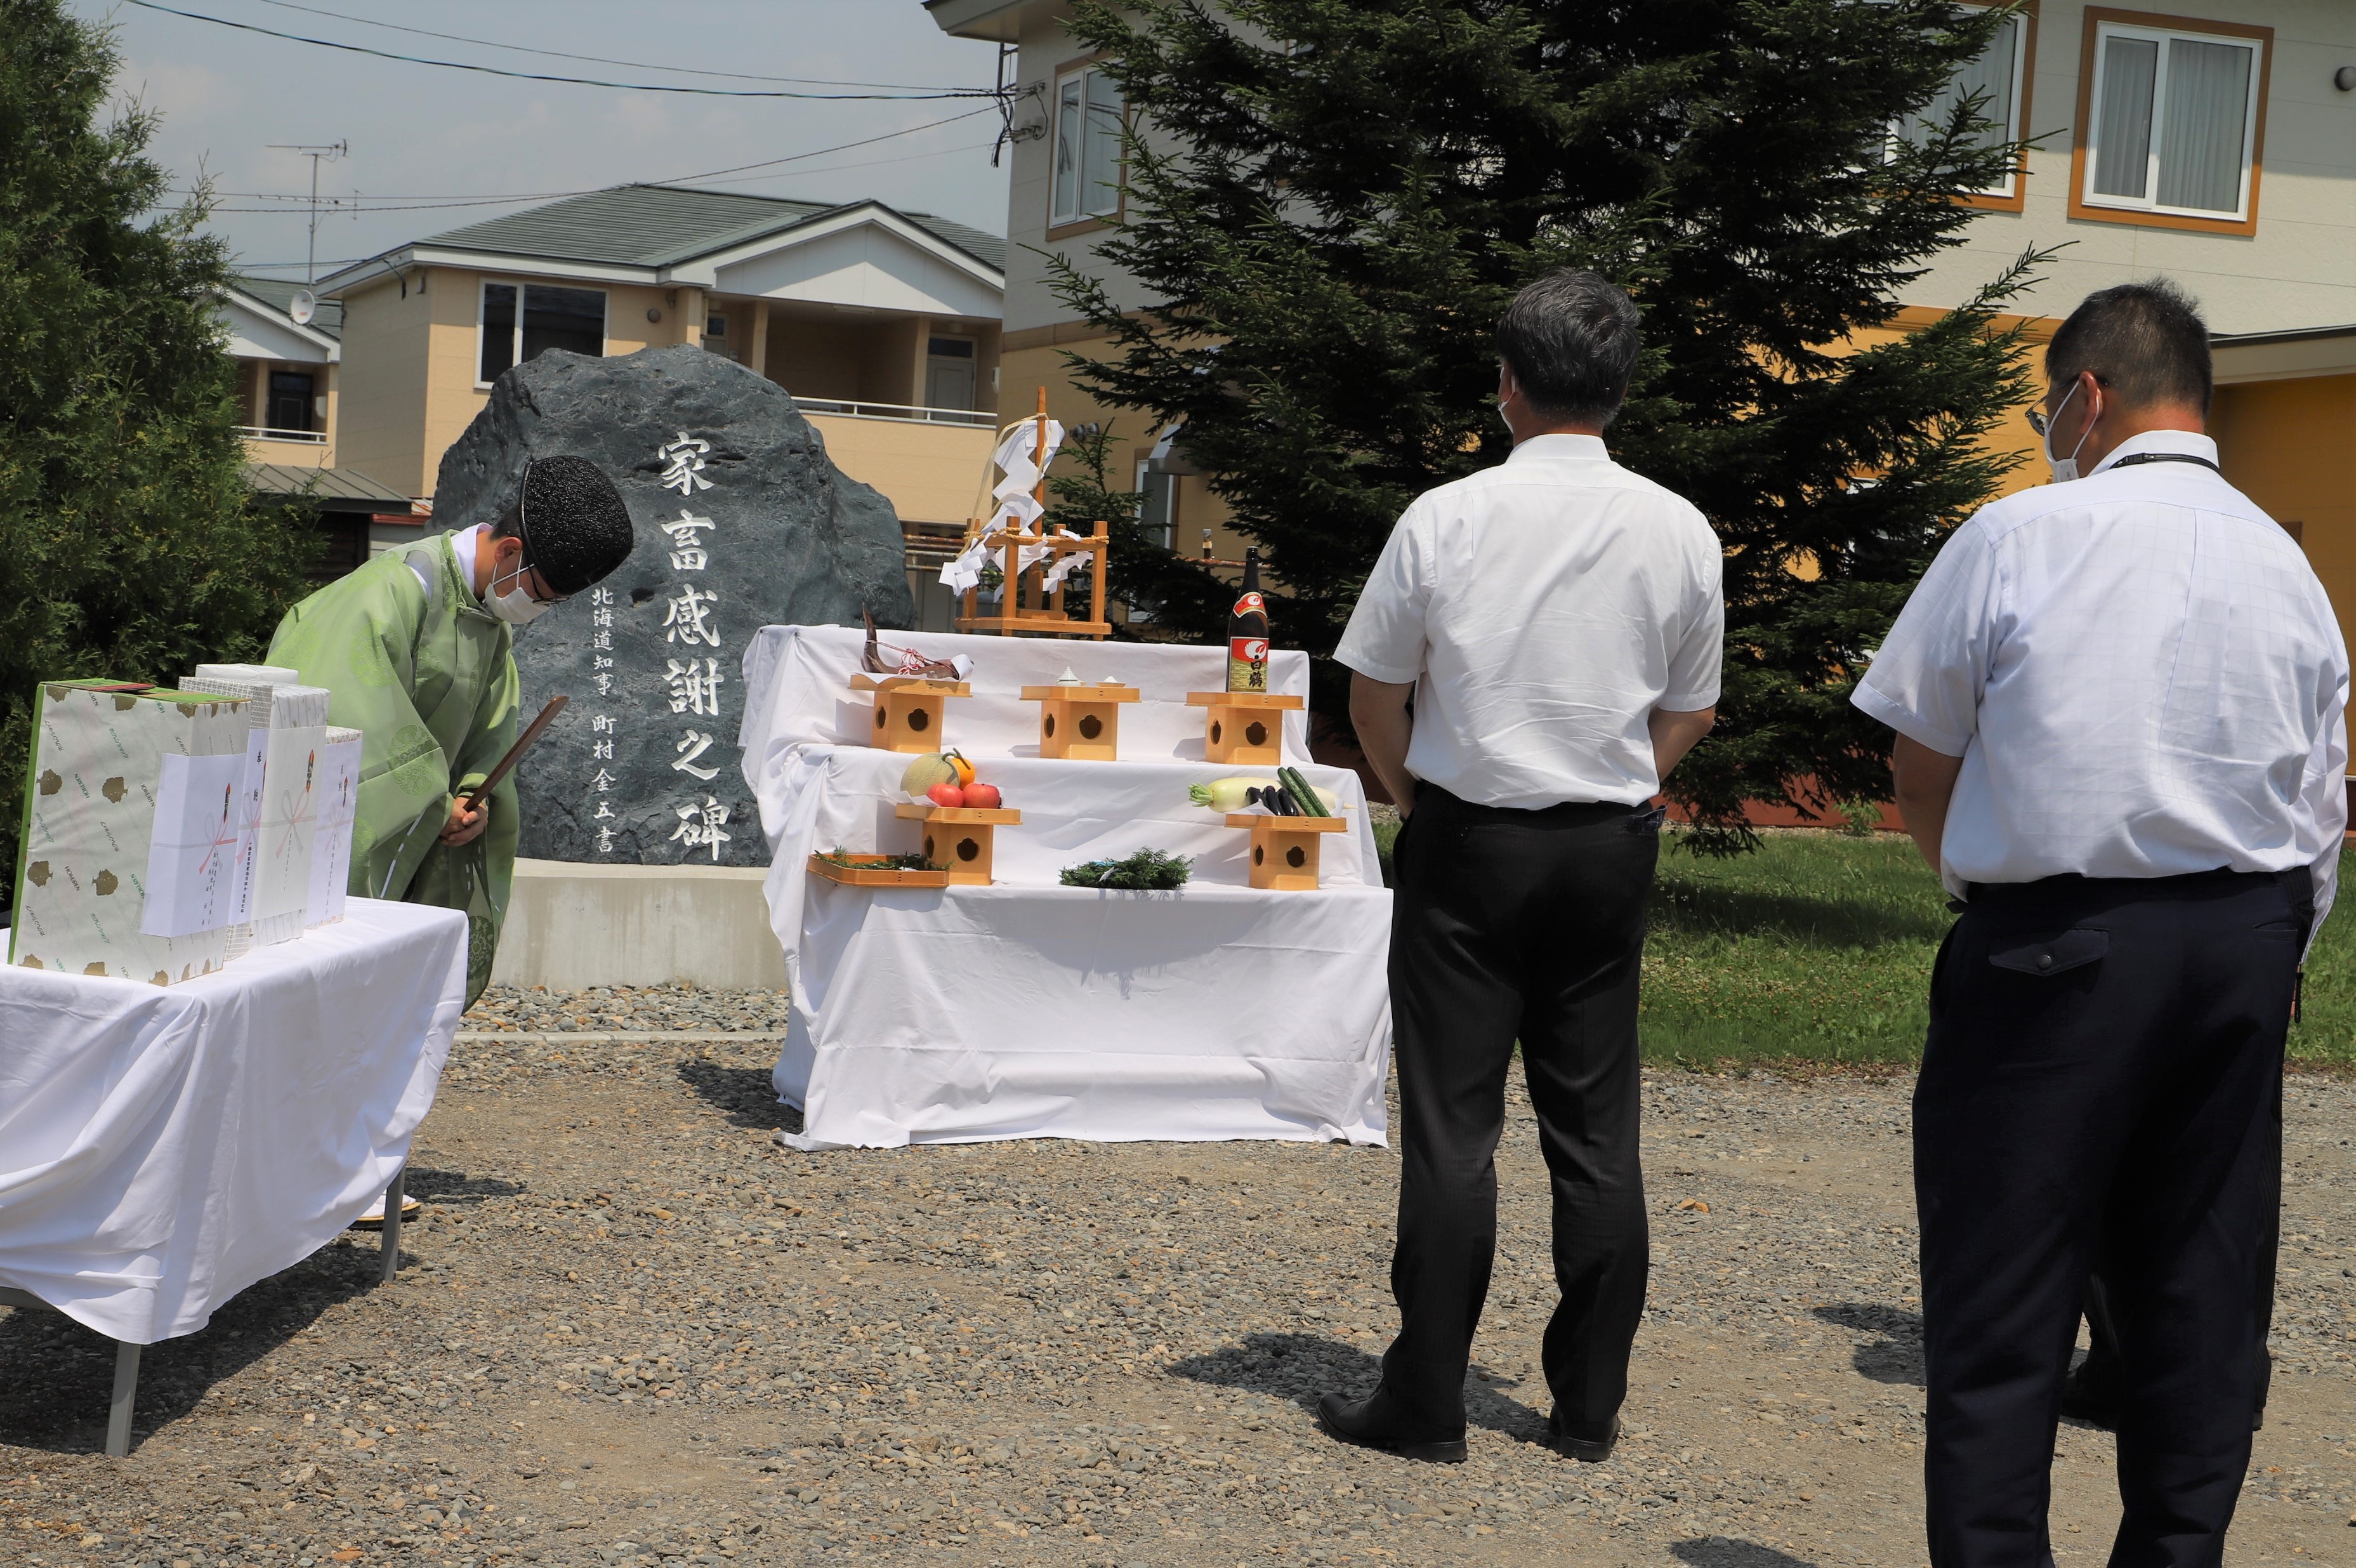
302 306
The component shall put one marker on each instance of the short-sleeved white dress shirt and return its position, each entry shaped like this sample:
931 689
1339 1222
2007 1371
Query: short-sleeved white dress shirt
2141 674
1544 608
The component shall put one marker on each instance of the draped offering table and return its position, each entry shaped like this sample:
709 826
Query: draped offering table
164 1147
1021 1008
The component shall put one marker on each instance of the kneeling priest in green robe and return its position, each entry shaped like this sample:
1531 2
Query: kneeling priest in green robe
415 647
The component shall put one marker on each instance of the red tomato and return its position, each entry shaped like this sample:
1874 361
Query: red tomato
945 794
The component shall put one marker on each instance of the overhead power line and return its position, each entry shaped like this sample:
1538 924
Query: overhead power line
592 60
359 204
575 80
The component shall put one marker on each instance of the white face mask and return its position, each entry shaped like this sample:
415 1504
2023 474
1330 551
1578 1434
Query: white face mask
516 606
2064 468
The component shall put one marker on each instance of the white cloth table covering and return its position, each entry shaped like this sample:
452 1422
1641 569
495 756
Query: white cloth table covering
162 1148
961 1013
798 692
1029 1009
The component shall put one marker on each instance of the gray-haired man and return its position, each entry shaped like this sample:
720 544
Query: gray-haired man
1556 622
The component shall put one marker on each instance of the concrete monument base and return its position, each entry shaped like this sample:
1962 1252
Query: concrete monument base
571 926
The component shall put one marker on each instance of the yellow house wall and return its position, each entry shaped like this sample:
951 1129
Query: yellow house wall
816 358
382 426
931 473
414 360
2290 446
1022 370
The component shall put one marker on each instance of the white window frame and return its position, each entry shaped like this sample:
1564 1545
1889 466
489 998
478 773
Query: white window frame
1116 190
515 346
2105 30
2023 24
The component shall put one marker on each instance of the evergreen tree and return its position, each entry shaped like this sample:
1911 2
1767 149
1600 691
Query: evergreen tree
129 545
1333 202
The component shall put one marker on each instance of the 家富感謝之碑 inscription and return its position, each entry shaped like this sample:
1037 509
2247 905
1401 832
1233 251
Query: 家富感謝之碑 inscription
742 521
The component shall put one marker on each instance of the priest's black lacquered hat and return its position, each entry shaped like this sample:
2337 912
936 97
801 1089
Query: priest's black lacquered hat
574 527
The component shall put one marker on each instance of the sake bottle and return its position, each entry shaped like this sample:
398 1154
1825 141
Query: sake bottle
1247 632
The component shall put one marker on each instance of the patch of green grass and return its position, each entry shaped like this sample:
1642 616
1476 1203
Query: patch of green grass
1818 948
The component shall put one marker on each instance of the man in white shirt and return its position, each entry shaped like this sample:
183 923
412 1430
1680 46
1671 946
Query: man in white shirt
1556 623
2119 704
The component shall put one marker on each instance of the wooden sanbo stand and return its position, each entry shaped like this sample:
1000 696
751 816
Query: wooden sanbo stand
1243 726
1081 723
1284 849
909 709
959 837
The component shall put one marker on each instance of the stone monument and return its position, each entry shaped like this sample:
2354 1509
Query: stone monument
741 522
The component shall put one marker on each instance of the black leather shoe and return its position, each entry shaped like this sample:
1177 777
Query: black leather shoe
1371 1424
1588 1445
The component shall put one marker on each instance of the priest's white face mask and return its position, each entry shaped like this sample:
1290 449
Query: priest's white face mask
516 606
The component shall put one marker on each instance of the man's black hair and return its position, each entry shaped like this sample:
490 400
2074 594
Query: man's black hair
2145 342
574 524
1571 338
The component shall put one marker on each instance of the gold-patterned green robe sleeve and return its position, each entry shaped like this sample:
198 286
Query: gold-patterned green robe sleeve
429 679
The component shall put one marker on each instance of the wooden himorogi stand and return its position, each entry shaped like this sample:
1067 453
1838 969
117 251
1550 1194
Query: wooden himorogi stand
1284 849
1080 722
1028 607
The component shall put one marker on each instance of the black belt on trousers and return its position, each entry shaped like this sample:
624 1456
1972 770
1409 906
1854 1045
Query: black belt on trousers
2298 884
1566 813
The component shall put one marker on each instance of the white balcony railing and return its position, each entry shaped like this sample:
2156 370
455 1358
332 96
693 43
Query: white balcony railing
901 412
265 433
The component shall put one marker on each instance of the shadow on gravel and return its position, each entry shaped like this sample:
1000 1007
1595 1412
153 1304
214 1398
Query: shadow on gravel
1896 1356
743 1094
429 1184
1300 1366
1725 1551
60 1374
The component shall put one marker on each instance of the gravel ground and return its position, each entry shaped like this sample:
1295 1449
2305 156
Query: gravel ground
630 1329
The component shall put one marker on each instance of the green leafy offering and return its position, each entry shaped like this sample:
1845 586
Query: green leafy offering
849 861
1148 870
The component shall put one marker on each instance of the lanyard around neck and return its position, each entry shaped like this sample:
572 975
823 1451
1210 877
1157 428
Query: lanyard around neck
2129 462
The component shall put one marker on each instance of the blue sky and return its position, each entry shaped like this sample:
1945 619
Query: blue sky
422 136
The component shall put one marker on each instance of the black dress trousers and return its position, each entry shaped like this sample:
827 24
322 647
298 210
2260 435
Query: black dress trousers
2101 1092
1517 925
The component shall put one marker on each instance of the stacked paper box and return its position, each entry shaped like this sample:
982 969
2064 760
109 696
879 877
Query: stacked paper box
331 851
129 858
281 796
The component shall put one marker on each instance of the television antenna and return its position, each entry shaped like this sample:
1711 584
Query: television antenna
332 151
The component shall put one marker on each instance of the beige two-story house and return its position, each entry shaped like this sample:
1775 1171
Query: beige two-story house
2213 142
883 324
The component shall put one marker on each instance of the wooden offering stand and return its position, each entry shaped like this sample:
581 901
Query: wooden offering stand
877 875
959 837
1243 726
1284 849
1082 723
908 710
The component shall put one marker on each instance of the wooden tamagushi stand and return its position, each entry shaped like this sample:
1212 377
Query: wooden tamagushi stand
1284 849
959 837
1082 723
1029 608
909 709
1243 726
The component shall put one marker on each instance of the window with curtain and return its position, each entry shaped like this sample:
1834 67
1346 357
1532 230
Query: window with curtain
1997 78
1086 153
2173 121
522 321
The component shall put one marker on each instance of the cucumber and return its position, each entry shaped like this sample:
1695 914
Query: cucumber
1302 795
